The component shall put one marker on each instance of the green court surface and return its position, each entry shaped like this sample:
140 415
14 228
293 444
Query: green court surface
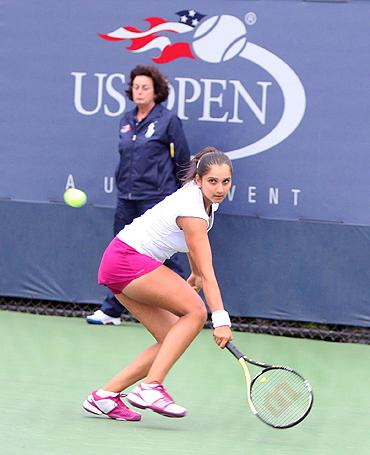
50 364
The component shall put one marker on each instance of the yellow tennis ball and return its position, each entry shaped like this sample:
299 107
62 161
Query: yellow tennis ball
263 379
75 198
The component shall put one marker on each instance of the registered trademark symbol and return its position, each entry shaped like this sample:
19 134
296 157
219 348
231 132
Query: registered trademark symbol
250 18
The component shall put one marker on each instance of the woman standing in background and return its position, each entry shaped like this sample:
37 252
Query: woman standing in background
153 149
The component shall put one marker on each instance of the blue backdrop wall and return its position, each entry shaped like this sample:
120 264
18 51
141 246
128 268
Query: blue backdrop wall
279 85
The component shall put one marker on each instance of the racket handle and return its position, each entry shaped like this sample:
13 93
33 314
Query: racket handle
234 350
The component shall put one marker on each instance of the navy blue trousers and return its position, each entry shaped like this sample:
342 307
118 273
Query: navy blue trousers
126 211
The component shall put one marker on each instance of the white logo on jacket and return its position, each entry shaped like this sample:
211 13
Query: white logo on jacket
150 130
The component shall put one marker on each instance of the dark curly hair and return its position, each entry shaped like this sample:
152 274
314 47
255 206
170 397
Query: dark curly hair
160 82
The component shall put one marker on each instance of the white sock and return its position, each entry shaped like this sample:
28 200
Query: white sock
150 385
104 393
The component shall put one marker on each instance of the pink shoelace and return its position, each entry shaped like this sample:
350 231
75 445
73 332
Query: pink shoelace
117 399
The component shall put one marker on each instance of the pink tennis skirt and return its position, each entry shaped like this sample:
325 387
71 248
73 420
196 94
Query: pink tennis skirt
122 264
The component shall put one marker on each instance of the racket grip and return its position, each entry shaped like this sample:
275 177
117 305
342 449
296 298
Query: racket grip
234 350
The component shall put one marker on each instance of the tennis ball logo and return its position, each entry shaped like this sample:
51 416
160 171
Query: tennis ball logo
75 198
219 38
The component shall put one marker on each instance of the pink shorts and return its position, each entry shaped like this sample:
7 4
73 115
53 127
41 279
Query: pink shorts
122 264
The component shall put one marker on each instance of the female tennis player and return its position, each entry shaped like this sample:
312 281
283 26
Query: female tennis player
167 305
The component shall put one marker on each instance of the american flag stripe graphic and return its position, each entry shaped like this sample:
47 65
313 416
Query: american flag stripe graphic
152 38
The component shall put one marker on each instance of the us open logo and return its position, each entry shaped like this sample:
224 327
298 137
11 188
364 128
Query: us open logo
214 40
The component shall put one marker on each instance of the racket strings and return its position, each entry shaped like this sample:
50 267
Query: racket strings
281 397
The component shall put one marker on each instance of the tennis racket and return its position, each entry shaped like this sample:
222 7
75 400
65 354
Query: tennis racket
277 395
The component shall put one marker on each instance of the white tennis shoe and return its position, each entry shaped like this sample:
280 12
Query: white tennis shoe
101 318
155 397
109 404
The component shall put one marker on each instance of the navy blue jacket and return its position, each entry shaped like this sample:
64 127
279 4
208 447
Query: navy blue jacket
146 169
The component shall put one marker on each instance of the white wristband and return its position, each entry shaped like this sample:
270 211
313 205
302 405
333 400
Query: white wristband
220 318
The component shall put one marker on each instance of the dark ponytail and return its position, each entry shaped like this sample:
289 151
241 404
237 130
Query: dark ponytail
202 161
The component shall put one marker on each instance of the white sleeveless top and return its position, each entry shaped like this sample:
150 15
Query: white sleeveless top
156 234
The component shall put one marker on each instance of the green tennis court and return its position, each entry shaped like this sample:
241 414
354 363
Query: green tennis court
49 365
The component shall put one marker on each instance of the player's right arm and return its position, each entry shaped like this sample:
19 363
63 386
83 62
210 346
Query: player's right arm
196 237
194 279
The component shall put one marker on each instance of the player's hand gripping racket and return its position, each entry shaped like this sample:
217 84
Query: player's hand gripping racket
277 395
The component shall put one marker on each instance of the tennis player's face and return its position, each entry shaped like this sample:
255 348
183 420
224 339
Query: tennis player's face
143 91
215 184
